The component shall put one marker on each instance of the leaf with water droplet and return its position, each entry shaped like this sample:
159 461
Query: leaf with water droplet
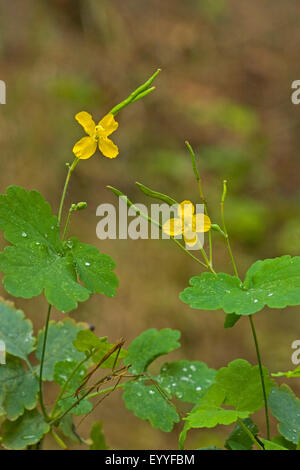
18 388
149 345
150 405
39 262
27 430
285 406
272 282
59 345
15 331
189 380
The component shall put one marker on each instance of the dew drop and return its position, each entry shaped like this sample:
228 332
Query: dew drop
87 263
24 234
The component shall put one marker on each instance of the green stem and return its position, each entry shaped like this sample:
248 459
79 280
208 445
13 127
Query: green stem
225 229
59 440
71 168
47 418
261 375
250 316
252 437
188 252
105 390
67 223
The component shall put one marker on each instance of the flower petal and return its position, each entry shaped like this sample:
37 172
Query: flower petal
190 238
172 227
107 125
85 148
108 148
86 121
186 209
201 223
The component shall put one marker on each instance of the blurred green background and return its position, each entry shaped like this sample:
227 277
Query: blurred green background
227 67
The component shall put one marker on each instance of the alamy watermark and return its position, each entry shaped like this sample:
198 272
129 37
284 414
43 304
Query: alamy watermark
2 92
185 222
2 352
295 358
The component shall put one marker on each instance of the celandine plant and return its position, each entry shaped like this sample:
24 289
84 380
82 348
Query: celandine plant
42 258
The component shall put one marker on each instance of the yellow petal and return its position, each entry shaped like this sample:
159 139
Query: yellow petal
190 238
108 148
172 227
107 126
86 121
85 148
186 208
201 223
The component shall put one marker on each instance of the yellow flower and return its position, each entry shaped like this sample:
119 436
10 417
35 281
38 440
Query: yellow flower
86 147
187 224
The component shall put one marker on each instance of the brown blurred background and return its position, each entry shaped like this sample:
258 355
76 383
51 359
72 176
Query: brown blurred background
226 87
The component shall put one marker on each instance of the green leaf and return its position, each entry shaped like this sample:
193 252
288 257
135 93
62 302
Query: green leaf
242 385
239 439
94 269
210 448
280 440
38 261
209 411
26 430
97 437
148 346
269 445
238 386
147 403
59 345
84 407
186 380
62 371
15 331
88 342
18 389
231 319
67 427
289 374
272 282
285 406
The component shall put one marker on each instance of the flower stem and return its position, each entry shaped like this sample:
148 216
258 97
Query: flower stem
71 168
225 229
47 418
261 375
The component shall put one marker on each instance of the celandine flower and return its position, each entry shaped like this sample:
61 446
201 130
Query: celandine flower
98 135
187 224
